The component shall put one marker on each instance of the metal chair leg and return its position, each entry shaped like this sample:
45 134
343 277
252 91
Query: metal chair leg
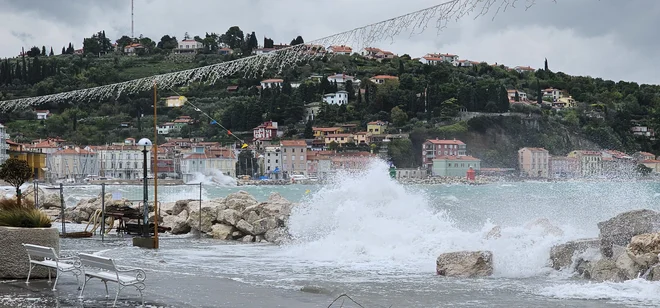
29 273
49 281
83 287
56 279
116 296
107 295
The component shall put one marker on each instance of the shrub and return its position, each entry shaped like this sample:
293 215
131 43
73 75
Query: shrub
22 215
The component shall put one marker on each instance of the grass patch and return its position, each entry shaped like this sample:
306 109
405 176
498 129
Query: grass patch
22 216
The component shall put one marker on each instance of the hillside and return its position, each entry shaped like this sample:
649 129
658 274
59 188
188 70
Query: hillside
425 101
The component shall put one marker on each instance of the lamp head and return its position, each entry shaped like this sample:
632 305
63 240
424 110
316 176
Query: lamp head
145 143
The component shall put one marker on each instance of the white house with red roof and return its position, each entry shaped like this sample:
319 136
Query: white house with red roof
341 50
376 53
266 131
42 114
189 46
435 58
381 79
133 49
272 83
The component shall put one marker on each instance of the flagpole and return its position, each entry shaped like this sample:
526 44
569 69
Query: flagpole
154 166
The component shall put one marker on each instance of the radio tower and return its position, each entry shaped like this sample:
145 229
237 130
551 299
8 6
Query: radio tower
132 23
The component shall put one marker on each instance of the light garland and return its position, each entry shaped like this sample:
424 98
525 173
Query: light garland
415 23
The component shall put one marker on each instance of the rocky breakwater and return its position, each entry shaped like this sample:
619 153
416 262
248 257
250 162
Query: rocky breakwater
627 248
238 217
50 203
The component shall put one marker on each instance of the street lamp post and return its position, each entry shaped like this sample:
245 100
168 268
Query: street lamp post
146 146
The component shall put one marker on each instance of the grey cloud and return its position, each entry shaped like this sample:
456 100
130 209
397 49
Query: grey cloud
70 12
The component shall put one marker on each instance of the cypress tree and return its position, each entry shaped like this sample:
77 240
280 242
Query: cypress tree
546 64
43 51
539 94
51 52
63 50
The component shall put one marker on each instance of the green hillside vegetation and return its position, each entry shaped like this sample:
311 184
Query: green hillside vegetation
425 101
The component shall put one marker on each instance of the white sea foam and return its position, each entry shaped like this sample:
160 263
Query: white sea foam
365 220
637 292
213 177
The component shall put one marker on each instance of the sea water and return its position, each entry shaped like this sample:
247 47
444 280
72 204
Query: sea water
366 235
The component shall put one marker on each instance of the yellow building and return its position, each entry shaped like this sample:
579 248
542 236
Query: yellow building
362 138
320 132
36 161
376 127
175 101
338 139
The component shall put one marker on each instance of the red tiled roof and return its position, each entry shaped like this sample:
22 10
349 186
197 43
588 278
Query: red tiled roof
437 141
536 149
326 129
73 152
377 123
384 77
293 143
341 48
272 80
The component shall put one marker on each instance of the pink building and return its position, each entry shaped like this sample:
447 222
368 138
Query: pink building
433 148
533 162
294 156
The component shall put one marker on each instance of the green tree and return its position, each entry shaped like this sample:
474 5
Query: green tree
51 52
398 116
309 130
124 41
516 97
43 51
16 172
233 38
546 65
297 41
332 146
166 42
70 49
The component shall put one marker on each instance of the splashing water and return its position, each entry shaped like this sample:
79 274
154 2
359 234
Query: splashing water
213 177
367 220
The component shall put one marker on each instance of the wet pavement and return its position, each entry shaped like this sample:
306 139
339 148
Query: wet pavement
163 290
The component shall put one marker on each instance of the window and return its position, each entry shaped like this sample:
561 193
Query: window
269 162
135 165
302 150
276 161
293 157
302 157
120 165
284 150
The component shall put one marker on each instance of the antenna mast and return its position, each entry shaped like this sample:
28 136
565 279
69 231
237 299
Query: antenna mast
132 23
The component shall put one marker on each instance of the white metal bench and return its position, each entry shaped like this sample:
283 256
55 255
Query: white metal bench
51 261
105 269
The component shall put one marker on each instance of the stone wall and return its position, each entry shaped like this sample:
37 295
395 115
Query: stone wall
14 262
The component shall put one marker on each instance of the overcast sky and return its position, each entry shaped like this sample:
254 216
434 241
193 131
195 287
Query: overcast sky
611 39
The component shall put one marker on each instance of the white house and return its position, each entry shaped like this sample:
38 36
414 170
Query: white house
342 78
552 92
341 50
271 83
523 69
273 161
42 114
264 51
165 128
380 79
73 163
311 111
434 59
189 46
133 49
122 161
522 96
339 98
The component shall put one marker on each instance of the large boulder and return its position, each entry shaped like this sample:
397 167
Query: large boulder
619 230
29 194
276 206
181 205
178 224
240 201
222 232
465 264
166 208
562 256
245 227
229 216
209 214
606 270
51 200
262 226
643 249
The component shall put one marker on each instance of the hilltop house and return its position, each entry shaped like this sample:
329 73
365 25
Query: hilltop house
272 83
376 54
341 79
434 59
376 127
380 79
339 98
42 114
341 50
133 49
266 131
189 46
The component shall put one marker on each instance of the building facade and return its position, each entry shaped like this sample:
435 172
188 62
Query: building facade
73 164
563 167
339 98
533 162
294 156
436 147
273 162
3 144
590 163
454 166
122 161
